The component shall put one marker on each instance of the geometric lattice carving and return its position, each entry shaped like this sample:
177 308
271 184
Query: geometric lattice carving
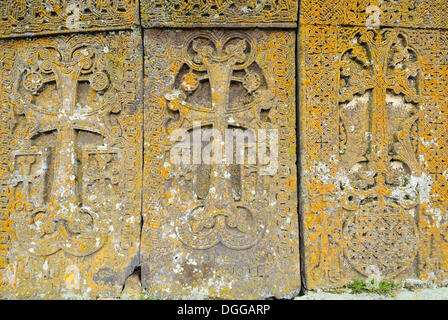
379 109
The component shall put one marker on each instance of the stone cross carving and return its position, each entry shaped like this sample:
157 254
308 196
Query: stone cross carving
27 177
219 216
379 103
63 223
389 67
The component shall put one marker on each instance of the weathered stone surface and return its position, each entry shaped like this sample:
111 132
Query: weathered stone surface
132 288
219 230
373 77
181 13
392 13
375 108
71 163
24 17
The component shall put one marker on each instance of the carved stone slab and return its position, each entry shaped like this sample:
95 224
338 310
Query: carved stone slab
187 13
24 17
70 164
374 13
375 190
220 229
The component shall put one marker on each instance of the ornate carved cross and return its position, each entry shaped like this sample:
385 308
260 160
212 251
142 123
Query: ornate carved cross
219 56
63 222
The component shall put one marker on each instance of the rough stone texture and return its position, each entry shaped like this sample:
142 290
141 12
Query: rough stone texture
25 17
181 13
71 161
222 231
374 113
391 13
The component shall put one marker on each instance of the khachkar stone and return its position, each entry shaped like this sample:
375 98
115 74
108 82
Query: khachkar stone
188 13
375 190
221 229
25 17
70 164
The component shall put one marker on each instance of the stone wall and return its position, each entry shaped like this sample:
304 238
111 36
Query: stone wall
97 98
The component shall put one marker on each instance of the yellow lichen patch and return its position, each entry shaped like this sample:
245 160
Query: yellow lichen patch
27 18
202 12
375 13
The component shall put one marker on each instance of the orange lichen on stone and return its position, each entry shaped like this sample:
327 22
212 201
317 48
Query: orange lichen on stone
223 230
87 171
71 182
375 13
373 135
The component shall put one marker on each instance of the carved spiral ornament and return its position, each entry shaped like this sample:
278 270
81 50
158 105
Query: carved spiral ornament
33 82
